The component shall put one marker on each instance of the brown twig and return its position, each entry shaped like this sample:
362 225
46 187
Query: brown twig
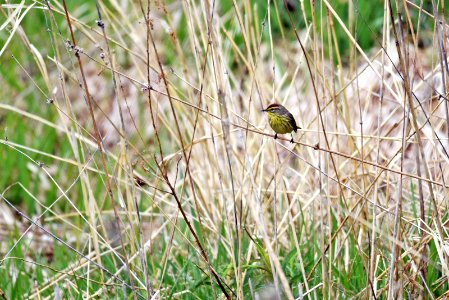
98 138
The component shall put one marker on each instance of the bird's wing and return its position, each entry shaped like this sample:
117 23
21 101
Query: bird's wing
295 127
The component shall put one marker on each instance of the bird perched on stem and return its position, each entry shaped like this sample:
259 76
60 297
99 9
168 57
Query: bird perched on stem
281 120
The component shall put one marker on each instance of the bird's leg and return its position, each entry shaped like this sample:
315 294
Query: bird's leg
275 136
291 141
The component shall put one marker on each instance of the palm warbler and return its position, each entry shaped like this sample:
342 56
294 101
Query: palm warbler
281 120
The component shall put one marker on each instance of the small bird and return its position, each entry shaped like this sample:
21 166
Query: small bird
281 120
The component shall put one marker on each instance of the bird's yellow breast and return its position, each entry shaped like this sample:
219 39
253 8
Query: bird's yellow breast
280 124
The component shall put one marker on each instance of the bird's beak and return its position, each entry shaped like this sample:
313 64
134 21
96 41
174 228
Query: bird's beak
263 110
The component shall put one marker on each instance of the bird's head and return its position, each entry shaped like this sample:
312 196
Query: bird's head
274 108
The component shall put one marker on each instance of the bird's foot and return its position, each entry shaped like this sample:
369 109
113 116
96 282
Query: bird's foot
275 136
291 141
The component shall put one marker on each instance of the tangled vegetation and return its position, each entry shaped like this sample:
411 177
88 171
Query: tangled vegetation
136 161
